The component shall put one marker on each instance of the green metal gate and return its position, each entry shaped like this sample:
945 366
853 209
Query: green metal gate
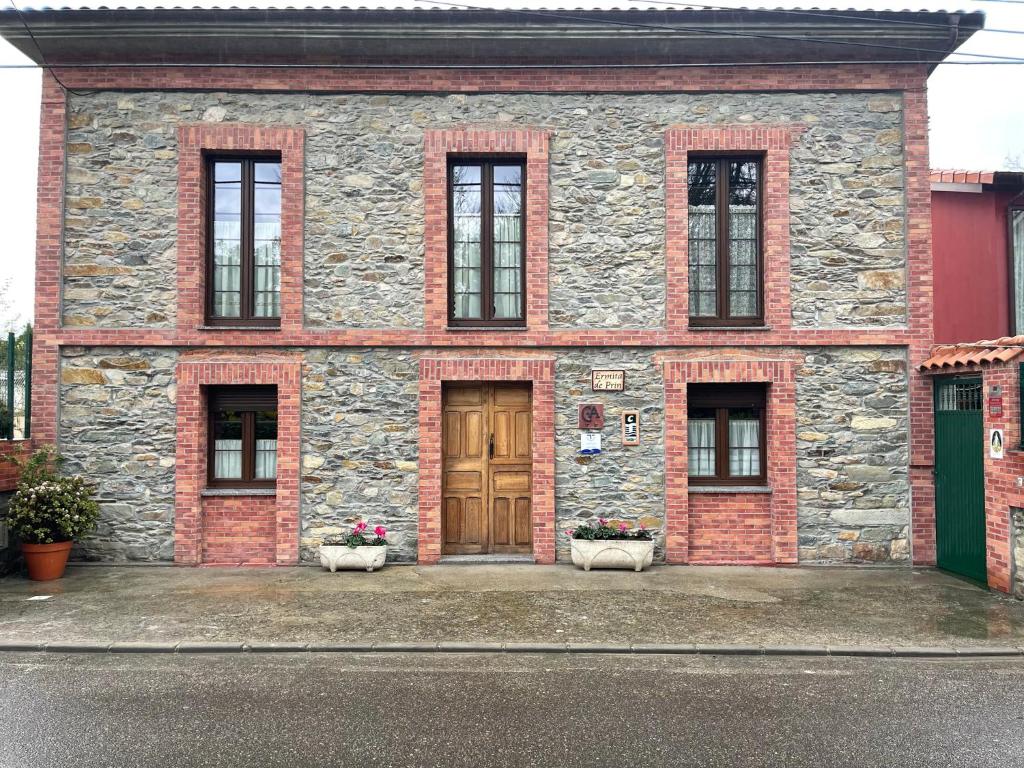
959 477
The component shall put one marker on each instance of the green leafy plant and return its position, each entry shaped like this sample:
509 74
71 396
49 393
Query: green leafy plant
47 507
603 530
359 538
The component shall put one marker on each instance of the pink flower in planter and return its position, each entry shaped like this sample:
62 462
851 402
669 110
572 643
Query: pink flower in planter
571 532
380 531
602 521
623 527
360 527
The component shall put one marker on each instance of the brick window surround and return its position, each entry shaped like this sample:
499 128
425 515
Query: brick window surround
438 146
433 372
195 141
771 142
779 375
196 371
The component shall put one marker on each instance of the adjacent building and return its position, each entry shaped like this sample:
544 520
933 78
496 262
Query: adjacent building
302 267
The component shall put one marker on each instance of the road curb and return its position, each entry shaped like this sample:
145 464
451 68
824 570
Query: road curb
448 647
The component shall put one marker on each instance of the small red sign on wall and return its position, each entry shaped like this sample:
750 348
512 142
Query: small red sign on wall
995 406
591 416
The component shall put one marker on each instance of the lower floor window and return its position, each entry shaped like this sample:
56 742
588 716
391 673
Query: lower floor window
243 436
725 434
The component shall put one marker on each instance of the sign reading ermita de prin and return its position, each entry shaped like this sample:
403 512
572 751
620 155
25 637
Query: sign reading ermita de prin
607 381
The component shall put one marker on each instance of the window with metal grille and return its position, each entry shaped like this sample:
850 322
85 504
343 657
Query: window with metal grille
958 395
244 241
486 242
724 240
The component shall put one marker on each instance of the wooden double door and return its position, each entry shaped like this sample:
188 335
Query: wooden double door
487 434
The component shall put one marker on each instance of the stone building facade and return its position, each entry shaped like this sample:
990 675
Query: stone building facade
364 353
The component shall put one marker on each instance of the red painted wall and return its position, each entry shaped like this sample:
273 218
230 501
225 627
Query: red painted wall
971 266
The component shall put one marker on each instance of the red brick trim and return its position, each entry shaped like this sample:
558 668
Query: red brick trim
562 338
433 372
920 293
437 146
49 248
774 142
200 369
193 141
10 451
822 77
779 374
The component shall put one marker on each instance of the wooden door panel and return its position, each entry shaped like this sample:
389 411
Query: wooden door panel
464 474
486 474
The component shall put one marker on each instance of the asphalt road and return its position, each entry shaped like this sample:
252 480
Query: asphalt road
506 710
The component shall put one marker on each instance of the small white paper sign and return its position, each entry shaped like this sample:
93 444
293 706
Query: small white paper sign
590 441
995 443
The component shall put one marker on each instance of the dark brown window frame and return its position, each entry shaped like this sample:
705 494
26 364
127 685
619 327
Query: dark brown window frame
487 163
248 271
246 400
1010 211
722 254
721 398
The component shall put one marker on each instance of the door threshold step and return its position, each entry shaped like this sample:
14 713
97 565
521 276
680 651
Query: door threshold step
486 559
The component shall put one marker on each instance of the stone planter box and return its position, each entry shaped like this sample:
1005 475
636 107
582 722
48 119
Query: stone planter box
612 554
343 558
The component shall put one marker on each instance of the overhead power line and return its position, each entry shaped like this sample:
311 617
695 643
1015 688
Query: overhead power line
704 30
828 15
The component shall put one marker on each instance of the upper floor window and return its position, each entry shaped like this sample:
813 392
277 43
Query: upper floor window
1017 255
243 436
726 434
724 213
244 274
486 242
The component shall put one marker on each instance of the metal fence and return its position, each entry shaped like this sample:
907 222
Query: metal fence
16 386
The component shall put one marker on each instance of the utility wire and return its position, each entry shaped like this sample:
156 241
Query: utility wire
42 57
703 30
826 15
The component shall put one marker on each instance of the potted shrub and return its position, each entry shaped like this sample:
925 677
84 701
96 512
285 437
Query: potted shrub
356 551
607 546
48 513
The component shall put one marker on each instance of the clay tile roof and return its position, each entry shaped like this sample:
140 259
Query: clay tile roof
953 356
948 176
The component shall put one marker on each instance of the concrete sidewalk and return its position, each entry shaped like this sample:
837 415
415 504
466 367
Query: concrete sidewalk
811 606
823 606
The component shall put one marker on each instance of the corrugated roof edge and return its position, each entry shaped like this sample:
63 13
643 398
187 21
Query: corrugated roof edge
406 6
953 356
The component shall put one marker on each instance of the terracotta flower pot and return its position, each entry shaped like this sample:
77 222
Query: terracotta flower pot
46 562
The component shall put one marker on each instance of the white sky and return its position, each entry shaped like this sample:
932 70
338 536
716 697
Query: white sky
976 118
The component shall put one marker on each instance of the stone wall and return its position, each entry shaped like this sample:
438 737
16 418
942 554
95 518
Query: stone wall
624 483
117 427
852 454
364 205
359 446
1017 552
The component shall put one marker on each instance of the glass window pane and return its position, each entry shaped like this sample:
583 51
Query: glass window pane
466 232
227 445
701 442
508 174
744 443
266 445
227 239
267 172
702 231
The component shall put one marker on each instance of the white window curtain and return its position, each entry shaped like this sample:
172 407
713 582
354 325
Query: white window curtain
266 459
744 447
701 439
227 459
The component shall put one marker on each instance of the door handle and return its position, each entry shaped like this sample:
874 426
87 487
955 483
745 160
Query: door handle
490 447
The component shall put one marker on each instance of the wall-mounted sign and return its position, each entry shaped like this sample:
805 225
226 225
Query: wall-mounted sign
607 381
631 427
590 442
995 443
591 416
995 406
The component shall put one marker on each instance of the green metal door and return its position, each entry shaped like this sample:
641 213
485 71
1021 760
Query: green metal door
959 477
